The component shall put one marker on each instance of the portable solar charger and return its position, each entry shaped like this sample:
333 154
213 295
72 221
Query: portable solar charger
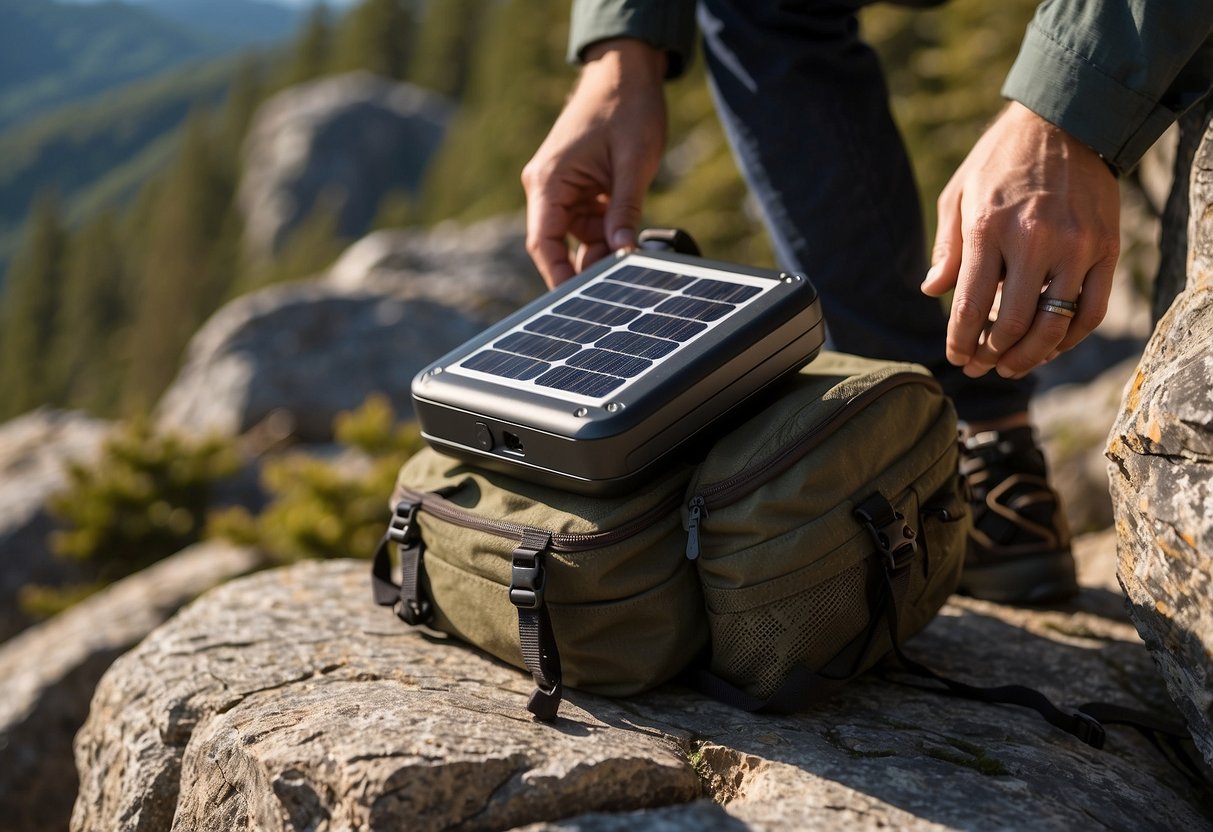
590 386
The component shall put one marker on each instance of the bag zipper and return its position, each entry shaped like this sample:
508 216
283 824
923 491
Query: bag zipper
437 506
726 491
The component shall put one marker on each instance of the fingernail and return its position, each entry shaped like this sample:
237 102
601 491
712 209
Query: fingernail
623 238
932 273
1006 372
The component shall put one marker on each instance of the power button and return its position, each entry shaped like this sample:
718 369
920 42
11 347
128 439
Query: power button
484 437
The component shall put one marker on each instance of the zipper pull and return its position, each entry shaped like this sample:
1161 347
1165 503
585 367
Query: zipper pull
695 512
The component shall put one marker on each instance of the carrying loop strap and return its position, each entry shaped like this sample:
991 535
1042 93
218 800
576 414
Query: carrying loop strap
1086 723
414 608
527 585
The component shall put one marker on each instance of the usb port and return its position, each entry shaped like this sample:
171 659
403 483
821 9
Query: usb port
511 442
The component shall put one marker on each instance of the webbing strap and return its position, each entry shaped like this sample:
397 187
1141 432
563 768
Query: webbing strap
414 608
539 653
1086 722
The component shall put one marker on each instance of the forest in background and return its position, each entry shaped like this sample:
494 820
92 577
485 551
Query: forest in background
99 305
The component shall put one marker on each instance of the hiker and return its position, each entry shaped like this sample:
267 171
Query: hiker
1034 208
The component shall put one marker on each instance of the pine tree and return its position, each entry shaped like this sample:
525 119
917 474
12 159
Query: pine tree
189 265
27 317
443 48
94 311
376 35
518 84
312 51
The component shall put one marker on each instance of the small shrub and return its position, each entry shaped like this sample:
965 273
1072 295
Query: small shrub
144 498
329 508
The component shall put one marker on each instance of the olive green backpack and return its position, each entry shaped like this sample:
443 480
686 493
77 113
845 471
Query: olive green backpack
807 544
782 556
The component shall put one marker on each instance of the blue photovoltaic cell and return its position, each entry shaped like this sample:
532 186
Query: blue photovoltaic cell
567 328
722 291
611 363
579 381
503 364
641 346
701 310
536 346
663 326
651 277
627 295
599 313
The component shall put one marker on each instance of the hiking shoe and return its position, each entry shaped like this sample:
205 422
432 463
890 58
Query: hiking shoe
1019 547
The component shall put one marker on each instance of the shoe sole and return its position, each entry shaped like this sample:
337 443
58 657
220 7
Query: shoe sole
1039 579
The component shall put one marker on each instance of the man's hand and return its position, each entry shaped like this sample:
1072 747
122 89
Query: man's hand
589 177
1030 210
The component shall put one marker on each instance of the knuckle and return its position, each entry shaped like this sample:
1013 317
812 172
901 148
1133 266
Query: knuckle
1012 325
965 309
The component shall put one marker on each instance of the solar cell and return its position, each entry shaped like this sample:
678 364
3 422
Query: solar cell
611 363
641 346
503 364
626 295
663 326
567 328
722 291
651 277
583 382
599 313
701 310
536 346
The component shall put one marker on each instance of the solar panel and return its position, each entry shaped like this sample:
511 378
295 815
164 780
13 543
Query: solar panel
602 352
614 329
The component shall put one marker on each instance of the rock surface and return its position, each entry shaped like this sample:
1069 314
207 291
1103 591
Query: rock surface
304 352
341 144
48 673
1161 452
34 452
287 701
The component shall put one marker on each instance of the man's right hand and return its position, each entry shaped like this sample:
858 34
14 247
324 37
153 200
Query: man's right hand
589 177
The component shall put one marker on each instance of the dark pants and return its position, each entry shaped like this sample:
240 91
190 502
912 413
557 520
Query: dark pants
804 104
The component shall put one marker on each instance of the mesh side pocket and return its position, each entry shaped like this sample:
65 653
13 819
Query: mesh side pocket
755 647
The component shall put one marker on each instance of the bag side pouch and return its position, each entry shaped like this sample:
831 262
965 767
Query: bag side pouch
792 575
624 604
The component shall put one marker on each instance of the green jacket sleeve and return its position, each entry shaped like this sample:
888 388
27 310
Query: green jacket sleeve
667 24
1115 73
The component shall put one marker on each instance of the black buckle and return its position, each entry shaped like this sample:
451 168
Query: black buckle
402 528
894 538
1089 729
526 572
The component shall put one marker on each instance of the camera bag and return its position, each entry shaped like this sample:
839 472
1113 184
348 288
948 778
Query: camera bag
780 556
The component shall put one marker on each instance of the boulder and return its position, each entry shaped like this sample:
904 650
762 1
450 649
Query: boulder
34 452
303 352
1161 452
48 673
288 701
339 144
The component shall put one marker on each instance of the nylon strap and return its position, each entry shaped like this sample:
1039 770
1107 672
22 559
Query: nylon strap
409 595
538 642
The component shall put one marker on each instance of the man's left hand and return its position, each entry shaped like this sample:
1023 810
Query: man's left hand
1035 213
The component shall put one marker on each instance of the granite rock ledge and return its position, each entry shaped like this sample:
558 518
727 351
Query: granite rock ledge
287 701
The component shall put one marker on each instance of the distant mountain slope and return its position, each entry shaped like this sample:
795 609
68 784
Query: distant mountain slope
230 22
53 53
96 153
